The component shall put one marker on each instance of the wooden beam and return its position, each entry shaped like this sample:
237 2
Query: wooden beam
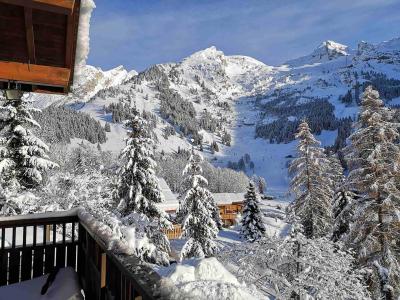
56 6
69 44
103 270
72 41
34 74
30 40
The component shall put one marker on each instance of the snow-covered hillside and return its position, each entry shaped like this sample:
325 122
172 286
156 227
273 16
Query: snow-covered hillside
87 84
215 94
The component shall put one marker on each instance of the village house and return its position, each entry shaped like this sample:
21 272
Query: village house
229 204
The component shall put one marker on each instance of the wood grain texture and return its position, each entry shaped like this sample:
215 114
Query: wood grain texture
30 40
25 73
55 6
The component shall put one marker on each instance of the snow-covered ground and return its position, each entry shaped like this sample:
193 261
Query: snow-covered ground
207 279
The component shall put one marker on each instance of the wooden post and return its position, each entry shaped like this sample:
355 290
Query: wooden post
47 232
103 270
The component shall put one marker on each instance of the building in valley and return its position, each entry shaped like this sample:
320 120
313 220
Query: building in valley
229 204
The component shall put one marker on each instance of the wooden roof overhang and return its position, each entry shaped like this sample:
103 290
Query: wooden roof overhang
38 44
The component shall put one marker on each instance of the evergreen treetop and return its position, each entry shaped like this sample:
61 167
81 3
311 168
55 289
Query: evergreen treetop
253 227
311 184
23 156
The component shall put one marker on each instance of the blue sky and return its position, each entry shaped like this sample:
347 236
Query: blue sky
140 33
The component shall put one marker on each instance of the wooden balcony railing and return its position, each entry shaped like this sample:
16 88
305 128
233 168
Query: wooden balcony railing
33 245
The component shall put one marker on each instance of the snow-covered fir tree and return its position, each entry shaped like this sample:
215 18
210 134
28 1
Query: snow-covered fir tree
23 156
252 223
186 185
343 200
138 189
311 184
336 172
373 159
197 212
343 211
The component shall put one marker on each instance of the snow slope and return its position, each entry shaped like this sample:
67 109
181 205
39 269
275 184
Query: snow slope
232 89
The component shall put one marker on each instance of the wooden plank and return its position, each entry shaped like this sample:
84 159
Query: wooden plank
26 264
38 261
30 40
14 236
55 6
66 4
3 267
73 45
71 255
60 256
34 74
69 41
103 270
49 262
73 232
47 233
3 237
14 263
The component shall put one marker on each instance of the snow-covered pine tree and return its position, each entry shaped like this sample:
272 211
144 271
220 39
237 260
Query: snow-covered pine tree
197 212
374 162
343 200
336 172
252 223
23 156
343 211
137 188
311 185
187 185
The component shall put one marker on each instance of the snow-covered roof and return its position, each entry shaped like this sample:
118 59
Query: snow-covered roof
228 198
171 200
169 196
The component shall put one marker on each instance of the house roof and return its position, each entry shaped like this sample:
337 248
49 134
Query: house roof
169 196
228 198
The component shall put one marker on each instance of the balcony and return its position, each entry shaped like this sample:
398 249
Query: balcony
34 245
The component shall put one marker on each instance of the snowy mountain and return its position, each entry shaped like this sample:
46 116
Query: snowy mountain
328 50
90 81
210 94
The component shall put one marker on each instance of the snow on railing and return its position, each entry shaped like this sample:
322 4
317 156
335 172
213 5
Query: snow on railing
105 265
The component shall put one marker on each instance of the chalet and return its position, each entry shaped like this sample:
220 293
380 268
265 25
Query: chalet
230 205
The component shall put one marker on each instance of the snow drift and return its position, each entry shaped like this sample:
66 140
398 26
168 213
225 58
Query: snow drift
207 279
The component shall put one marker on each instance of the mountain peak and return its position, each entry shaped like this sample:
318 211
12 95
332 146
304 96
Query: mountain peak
331 50
327 50
208 53
333 46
